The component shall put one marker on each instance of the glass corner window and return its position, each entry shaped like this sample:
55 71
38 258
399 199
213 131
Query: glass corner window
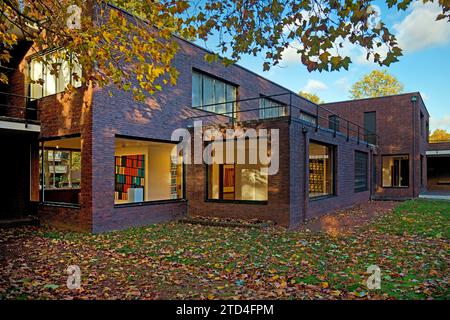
146 171
60 170
52 83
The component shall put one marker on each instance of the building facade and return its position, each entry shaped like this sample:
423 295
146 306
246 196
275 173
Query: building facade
401 123
90 161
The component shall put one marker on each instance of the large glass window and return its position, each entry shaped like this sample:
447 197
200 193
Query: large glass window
217 96
361 170
60 170
237 181
146 171
271 109
395 171
321 170
53 83
308 118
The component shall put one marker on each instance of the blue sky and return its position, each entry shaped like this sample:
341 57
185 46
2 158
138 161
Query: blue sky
424 67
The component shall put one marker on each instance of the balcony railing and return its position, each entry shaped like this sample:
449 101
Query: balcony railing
18 107
295 109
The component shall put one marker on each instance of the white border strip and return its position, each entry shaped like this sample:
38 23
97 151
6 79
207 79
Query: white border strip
19 126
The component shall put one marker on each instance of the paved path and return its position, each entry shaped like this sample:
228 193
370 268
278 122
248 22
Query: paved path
346 220
435 195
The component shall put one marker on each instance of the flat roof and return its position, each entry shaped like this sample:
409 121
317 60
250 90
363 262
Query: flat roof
382 97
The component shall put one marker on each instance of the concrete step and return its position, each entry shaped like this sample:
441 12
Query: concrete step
435 196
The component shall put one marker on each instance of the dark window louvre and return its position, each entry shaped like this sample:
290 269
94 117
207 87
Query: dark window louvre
361 171
370 126
333 122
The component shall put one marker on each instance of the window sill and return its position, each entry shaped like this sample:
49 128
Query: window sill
360 190
61 189
60 204
148 203
261 202
54 94
397 187
322 197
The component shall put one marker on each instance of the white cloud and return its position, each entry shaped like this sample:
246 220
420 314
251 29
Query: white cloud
290 53
314 85
361 58
343 83
343 48
440 123
419 29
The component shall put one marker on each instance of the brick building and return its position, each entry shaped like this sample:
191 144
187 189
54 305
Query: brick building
401 123
92 162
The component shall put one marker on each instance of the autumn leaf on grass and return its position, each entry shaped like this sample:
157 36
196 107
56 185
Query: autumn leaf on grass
51 286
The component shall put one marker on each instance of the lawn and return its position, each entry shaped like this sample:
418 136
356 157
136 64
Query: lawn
180 261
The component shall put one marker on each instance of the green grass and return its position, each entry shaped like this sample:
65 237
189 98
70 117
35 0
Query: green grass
420 217
177 260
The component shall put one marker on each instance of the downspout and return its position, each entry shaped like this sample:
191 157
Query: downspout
371 164
413 163
43 173
305 171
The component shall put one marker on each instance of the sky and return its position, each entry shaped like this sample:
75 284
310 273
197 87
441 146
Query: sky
424 66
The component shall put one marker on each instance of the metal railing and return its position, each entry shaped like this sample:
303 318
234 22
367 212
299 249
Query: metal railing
19 107
312 115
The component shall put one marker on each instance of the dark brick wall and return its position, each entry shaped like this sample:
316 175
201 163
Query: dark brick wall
17 81
140 215
439 146
345 195
17 86
64 217
64 114
398 135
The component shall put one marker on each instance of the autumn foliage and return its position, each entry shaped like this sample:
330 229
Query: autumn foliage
133 49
